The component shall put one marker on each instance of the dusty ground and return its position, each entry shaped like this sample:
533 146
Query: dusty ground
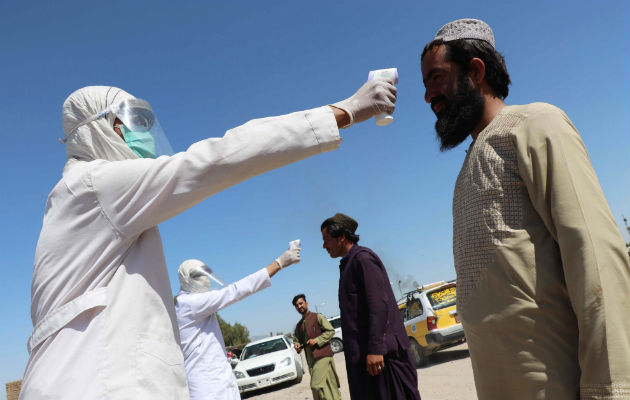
448 376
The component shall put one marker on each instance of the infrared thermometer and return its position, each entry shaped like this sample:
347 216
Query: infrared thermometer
383 119
294 244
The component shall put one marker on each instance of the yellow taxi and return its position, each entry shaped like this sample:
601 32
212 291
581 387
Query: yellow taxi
431 319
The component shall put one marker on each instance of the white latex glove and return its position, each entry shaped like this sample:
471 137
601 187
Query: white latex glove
289 257
374 97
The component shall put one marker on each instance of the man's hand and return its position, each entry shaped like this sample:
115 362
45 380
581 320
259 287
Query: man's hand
297 346
311 342
374 97
375 364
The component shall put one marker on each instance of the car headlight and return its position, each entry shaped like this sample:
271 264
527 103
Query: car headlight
285 363
239 374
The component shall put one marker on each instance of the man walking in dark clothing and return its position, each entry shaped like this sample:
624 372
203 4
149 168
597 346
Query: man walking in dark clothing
376 346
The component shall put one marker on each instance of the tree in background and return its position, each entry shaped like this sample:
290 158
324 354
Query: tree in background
233 335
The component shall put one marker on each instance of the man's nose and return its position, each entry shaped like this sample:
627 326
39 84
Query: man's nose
428 95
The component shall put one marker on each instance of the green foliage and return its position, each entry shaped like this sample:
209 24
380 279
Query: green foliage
233 335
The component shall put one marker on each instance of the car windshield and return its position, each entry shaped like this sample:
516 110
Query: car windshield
442 298
259 349
335 322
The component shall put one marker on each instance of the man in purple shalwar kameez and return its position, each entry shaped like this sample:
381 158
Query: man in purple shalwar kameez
376 346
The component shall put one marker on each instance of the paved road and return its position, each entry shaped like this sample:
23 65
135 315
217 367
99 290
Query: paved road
448 376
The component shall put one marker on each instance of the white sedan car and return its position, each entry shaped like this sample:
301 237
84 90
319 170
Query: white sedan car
268 362
336 343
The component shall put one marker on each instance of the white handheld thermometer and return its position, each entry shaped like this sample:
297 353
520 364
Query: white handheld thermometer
294 244
383 119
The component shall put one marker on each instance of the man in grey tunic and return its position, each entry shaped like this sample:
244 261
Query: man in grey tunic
542 269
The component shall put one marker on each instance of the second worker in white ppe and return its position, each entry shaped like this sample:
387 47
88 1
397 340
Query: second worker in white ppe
208 369
101 303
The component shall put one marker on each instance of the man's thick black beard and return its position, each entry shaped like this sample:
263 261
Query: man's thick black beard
461 115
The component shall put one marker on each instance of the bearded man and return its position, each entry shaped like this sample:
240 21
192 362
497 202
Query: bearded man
542 270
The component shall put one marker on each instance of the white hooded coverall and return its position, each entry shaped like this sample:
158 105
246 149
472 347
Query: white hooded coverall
208 369
102 306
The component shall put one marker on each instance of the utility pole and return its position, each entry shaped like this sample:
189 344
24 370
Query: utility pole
625 221
317 309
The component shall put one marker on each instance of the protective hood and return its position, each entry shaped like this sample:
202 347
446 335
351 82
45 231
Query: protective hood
88 122
195 277
88 134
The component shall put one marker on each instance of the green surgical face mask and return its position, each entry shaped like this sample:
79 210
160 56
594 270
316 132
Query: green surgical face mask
140 142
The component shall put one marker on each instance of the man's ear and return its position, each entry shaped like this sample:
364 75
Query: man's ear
477 71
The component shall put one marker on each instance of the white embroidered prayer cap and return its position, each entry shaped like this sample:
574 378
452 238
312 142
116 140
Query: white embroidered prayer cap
467 28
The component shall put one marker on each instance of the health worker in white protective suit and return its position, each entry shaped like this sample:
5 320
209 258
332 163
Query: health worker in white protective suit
101 302
208 369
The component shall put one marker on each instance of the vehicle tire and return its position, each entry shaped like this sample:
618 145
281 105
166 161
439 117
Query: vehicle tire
417 353
336 345
299 371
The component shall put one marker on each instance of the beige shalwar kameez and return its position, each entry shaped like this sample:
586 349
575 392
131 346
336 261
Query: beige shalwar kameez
542 269
324 379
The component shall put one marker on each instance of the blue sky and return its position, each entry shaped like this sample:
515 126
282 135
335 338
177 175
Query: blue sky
207 67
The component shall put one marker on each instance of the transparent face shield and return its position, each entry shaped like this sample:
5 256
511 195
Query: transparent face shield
141 130
204 270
